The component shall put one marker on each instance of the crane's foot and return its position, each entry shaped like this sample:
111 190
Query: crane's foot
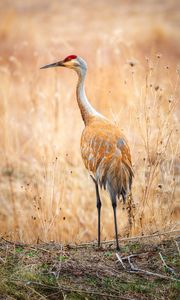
99 249
118 248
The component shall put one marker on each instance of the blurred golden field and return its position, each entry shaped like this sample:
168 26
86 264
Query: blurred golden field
132 49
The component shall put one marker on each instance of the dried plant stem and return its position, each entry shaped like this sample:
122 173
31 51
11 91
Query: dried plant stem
69 289
177 245
137 270
12 196
166 266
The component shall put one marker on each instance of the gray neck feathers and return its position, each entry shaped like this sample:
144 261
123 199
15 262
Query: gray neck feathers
85 107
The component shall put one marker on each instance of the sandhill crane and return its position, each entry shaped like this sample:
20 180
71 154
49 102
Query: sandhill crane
104 148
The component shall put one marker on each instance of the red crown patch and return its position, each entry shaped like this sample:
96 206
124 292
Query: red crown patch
70 57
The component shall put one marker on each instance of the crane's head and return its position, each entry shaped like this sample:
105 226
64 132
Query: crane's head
72 62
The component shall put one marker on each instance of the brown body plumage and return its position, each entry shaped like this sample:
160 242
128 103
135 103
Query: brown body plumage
104 148
106 155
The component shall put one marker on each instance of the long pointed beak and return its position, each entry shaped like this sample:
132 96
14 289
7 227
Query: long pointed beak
57 64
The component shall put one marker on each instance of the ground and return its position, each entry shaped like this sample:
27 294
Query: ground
55 271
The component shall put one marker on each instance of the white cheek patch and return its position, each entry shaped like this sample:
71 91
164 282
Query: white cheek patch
68 63
71 63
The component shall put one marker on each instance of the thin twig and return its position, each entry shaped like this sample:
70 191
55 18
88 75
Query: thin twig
177 245
137 270
68 289
173 232
132 255
1 259
18 244
35 292
131 264
120 259
169 269
39 248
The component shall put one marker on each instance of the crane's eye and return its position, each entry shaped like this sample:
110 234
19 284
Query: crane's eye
70 57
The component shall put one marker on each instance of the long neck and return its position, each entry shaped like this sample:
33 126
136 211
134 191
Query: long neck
87 111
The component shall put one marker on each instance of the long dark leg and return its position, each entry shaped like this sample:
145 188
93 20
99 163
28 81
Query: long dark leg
98 204
115 223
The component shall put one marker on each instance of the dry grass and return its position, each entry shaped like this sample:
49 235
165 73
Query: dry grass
132 51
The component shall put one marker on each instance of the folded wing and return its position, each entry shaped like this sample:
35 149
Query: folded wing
107 157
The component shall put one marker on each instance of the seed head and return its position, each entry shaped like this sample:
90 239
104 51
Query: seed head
158 55
132 62
156 87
